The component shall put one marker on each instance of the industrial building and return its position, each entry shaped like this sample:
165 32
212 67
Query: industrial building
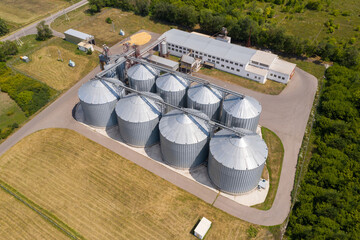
76 37
245 62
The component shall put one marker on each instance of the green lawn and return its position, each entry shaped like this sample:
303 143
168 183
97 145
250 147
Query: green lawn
10 112
315 69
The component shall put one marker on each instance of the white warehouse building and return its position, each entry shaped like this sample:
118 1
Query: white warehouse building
245 62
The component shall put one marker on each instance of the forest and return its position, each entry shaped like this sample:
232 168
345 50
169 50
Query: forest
252 24
329 203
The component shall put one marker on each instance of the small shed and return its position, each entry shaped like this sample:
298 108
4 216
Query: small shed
202 228
75 37
163 62
189 64
85 47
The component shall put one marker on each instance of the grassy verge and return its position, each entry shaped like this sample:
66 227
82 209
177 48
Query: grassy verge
270 87
10 112
49 62
102 195
273 165
103 32
46 215
313 68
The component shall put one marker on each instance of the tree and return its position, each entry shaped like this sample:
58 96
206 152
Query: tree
7 48
187 16
142 7
4 29
43 31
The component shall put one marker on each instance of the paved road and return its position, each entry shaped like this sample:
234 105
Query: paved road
31 29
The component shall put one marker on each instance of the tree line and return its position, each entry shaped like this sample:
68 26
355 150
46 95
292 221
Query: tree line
252 24
329 202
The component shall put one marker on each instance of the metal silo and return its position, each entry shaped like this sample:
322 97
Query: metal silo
172 89
120 69
236 163
111 73
241 112
142 77
184 139
138 119
205 99
98 99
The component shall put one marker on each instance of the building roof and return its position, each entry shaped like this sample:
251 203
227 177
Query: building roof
78 34
99 92
84 44
256 70
204 94
187 59
171 83
264 57
247 107
163 61
282 66
209 46
203 226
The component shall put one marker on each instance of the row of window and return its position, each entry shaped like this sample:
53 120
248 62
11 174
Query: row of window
200 54
274 75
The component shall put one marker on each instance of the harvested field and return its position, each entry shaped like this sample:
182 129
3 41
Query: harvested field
103 32
104 196
46 67
17 221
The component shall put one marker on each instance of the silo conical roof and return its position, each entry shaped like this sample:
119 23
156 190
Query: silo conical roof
171 83
138 108
204 94
99 92
238 107
238 153
181 128
142 72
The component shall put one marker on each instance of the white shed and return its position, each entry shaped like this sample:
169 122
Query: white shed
202 228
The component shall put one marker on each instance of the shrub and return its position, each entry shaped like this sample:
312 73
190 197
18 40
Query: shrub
43 31
108 20
4 29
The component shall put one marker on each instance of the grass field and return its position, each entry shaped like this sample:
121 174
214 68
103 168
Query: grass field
270 87
18 13
46 67
315 69
104 196
273 165
103 32
9 111
19 222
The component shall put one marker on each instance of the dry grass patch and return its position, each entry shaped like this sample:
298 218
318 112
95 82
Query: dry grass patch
273 165
46 67
19 222
103 32
104 196
270 87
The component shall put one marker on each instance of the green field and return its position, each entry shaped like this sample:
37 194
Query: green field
18 13
95 24
46 67
101 195
10 112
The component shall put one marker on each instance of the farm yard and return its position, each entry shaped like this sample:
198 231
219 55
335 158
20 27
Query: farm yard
51 66
18 13
95 25
102 195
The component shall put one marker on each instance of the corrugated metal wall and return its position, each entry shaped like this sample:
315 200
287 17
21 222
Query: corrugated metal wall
247 123
177 98
143 85
211 110
184 155
142 134
233 181
99 115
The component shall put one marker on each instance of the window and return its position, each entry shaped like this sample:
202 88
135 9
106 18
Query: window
226 61
209 59
196 56
241 65
222 66
227 67
232 68
255 62
217 58
238 70
196 52
209 56
271 74
180 47
279 77
247 74
255 77
213 57
236 64
205 55
283 78
231 62
222 59
217 62
264 65
274 75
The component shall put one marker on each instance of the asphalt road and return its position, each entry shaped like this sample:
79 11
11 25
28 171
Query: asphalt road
31 29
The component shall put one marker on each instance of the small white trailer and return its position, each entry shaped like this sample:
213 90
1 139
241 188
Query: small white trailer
202 228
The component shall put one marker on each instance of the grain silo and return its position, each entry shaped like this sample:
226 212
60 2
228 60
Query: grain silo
236 163
172 89
111 73
184 139
120 69
241 112
142 77
98 99
206 99
138 119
